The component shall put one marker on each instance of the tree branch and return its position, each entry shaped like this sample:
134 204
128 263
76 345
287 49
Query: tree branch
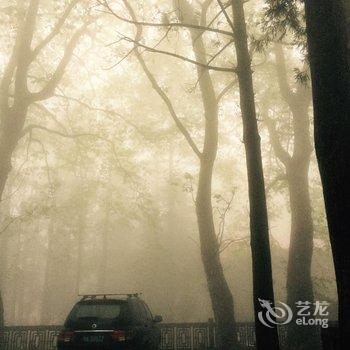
280 152
31 127
203 65
220 51
171 24
228 242
286 91
158 89
223 9
102 110
23 55
277 179
225 90
13 219
51 115
51 85
55 31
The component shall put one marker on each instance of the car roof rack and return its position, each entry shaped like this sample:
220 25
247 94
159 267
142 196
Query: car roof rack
105 296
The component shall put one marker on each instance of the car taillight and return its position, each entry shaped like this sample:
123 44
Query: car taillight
65 336
118 335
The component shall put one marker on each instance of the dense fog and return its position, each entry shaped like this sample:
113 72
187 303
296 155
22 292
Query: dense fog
101 196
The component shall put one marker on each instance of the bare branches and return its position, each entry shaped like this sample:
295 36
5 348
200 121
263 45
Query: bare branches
220 51
110 143
23 50
171 24
203 65
228 242
225 90
194 26
222 215
31 127
106 111
22 56
158 89
223 9
51 115
55 31
9 223
50 87
171 109
275 181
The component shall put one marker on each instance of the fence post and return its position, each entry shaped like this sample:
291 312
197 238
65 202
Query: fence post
211 328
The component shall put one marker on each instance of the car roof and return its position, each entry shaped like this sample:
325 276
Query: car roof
102 301
108 299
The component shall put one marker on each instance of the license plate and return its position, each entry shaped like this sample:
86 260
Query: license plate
93 339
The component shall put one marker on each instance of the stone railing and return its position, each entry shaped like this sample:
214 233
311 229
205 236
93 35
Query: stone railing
175 336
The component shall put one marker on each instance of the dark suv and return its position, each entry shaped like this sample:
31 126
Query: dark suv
110 322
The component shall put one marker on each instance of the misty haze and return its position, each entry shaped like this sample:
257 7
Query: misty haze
169 154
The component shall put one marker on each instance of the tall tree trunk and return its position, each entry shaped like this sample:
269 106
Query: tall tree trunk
266 338
10 132
299 281
347 14
13 116
220 294
330 73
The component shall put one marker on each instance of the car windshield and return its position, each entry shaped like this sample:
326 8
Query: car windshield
93 312
100 311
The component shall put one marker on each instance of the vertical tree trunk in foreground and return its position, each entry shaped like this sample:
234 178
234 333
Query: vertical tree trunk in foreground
347 14
266 338
327 44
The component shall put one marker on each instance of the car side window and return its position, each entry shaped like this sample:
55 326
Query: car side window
137 316
140 312
148 312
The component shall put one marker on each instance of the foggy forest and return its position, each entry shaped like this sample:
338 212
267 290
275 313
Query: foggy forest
193 151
